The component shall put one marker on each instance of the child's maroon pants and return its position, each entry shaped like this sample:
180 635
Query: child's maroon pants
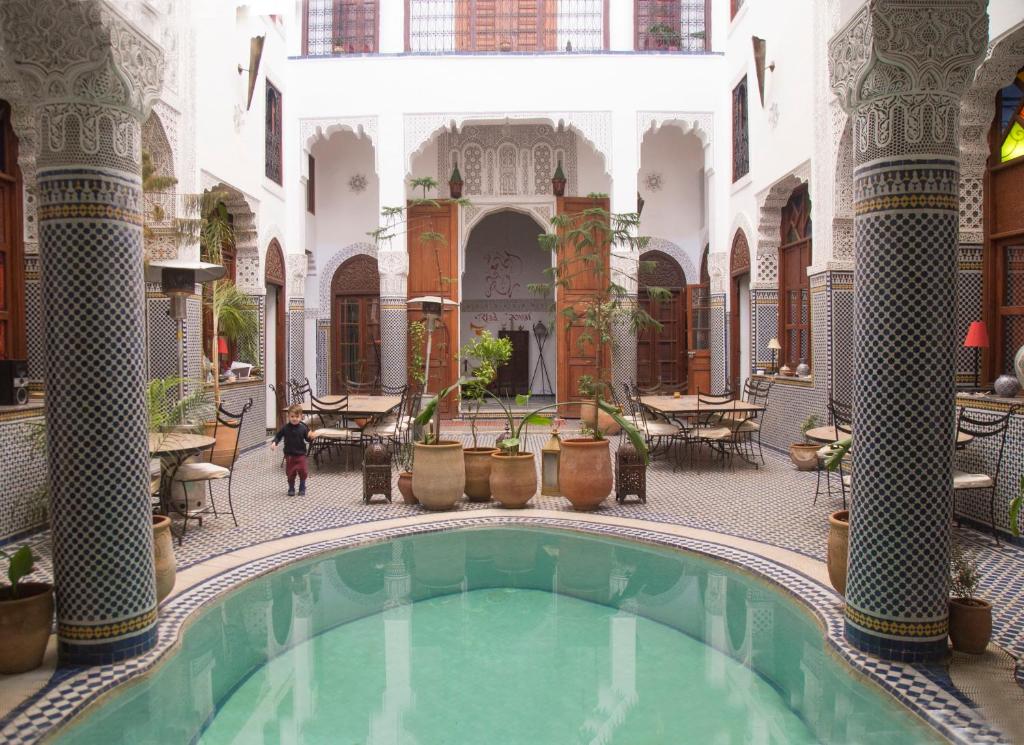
295 465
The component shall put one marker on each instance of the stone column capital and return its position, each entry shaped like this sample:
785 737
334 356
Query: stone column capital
900 68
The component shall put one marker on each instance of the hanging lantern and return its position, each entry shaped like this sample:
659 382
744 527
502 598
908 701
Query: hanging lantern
549 456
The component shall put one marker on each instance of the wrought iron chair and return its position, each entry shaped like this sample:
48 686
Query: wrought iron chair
989 427
659 435
388 429
711 428
755 392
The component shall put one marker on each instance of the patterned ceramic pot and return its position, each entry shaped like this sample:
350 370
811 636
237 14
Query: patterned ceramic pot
478 473
838 549
970 624
163 557
1006 386
440 475
25 626
585 473
513 479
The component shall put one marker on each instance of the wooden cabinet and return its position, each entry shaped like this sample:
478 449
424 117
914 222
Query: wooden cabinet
514 376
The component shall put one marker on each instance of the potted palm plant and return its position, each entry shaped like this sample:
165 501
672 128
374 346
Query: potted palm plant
970 617
439 478
26 612
513 471
805 454
581 244
486 354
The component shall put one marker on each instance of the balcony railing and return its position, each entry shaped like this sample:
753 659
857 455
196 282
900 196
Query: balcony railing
333 27
673 25
452 26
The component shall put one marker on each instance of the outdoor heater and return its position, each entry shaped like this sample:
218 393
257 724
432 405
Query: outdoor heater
178 279
432 307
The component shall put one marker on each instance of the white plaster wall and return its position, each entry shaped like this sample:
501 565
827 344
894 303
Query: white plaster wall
676 211
343 216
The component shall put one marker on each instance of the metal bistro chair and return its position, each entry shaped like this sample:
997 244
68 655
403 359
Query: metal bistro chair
990 427
388 429
336 433
840 416
660 435
221 465
755 392
711 429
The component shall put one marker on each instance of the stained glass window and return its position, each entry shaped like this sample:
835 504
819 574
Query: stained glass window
1011 120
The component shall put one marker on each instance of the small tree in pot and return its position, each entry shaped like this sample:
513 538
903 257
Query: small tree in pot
26 612
486 354
970 617
513 471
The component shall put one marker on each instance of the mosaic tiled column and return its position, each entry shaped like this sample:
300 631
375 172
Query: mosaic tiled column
899 68
394 324
718 352
90 234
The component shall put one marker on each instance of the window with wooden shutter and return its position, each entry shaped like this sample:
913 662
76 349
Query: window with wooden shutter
506 25
274 135
332 27
794 284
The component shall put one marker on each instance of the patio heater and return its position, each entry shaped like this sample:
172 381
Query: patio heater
432 307
773 344
977 339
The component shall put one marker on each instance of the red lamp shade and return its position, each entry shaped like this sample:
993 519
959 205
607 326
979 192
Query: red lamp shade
977 335
222 345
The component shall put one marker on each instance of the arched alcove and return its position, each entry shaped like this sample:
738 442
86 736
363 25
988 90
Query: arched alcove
355 323
661 358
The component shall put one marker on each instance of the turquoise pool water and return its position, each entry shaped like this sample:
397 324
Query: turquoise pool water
502 635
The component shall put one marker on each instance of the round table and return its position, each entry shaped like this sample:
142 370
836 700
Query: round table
829 434
173 448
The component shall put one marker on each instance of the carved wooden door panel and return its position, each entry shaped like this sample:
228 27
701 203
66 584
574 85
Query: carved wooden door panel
432 232
574 358
661 353
355 323
698 300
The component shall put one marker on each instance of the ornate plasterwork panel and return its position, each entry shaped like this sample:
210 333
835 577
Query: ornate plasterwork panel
769 225
247 255
677 253
297 264
331 266
594 126
311 130
507 160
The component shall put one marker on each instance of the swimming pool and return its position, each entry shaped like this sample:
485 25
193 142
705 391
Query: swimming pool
501 635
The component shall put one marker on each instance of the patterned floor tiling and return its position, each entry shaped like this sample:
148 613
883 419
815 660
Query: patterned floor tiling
772 504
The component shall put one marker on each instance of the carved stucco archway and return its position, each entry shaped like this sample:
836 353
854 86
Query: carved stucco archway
769 225
539 210
700 123
678 255
248 276
312 131
327 274
1005 56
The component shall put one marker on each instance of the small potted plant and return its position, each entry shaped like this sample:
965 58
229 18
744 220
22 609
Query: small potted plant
805 454
26 612
970 617
486 354
588 388
439 478
664 37
558 181
514 472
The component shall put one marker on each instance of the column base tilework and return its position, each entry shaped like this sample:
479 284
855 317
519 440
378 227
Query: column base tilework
23 499
716 341
394 341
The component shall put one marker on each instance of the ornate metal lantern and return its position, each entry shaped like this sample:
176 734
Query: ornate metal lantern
549 456
376 472
630 474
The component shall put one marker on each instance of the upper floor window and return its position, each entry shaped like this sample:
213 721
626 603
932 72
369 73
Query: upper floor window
734 7
505 26
1011 119
339 27
740 143
273 134
311 186
673 25
794 284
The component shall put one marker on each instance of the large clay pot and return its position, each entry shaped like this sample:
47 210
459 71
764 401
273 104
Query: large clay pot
970 624
804 455
440 475
838 549
585 473
163 557
513 479
405 487
25 626
604 420
478 473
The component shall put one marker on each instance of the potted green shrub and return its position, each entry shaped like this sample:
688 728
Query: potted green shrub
26 612
805 454
590 415
514 471
486 354
970 617
439 478
581 243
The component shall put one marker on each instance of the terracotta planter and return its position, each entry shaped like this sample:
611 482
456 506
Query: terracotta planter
405 487
838 549
163 557
970 624
804 455
478 473
513 479
604 420
25 626
585 473
440 475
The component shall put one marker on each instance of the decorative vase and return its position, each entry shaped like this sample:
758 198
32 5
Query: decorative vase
25 626
804 455
1006 386
513 479
838 549
163 557
786 370
803 370
585 473
405 487
478 473
605 423
1018 366
440 476
970 624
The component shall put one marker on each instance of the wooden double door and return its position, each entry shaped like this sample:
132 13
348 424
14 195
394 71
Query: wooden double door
355 324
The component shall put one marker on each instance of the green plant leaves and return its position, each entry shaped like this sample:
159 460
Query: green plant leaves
21 563
632 432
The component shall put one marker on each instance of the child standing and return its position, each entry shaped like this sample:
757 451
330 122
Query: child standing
296 434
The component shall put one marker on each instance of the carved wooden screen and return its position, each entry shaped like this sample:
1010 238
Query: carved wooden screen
274 135
661 353
434 270
355 323
12 277
575 359
794 284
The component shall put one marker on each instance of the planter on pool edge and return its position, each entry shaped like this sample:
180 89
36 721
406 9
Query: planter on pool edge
838 549
513 479
163 557
804 455
478 473
440 475
25 626
585 472
405 487
970 624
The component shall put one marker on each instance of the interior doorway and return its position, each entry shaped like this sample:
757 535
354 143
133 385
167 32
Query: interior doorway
355 325
740 365
661 355
275 367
